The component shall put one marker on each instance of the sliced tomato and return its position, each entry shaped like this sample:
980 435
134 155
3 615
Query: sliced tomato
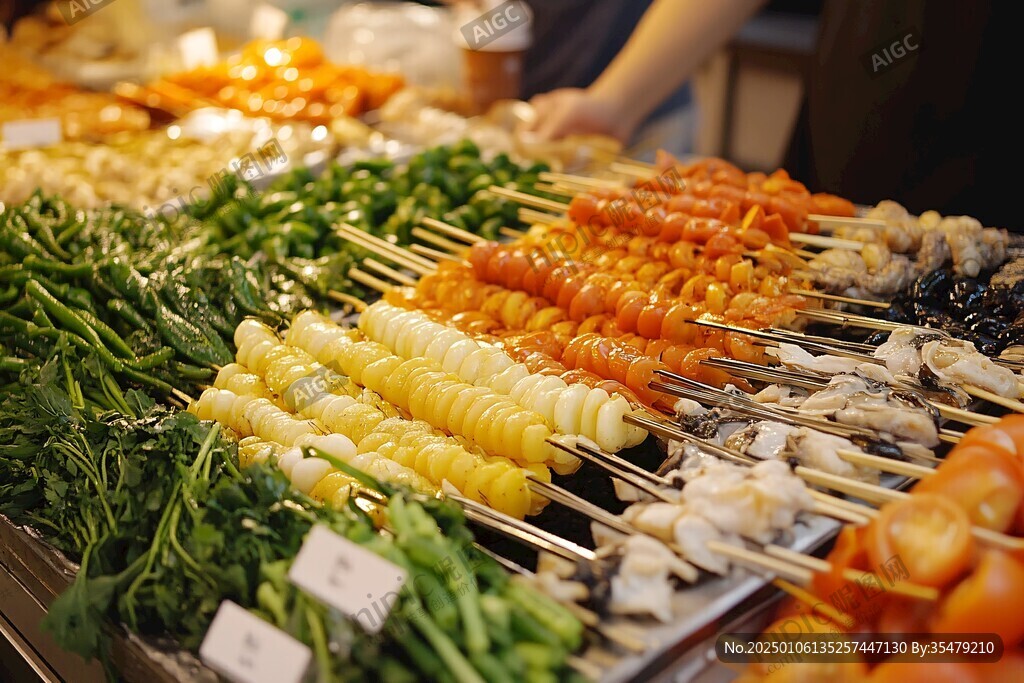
990 600
931 535
583 208
848 552
904 615
985 482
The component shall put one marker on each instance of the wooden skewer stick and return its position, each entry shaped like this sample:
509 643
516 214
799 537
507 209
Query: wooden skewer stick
528 199
385 246
451 230
826 509
964 416
554 189
511 232
413 262
866 513
824 220
910 590
761 561
438 241
182 396
434 253
852 487
825 242
390 272
586 181
842 299
951 435
815 603
632 169
370 281
741 555
534 217
985 394
358 305
886 464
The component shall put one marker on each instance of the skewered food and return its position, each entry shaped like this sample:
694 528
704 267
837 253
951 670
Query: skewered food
770 441
859 400
931 359
926 538
370 423
984 310
426 391
567 410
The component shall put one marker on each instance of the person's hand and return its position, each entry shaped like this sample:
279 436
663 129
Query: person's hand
574 111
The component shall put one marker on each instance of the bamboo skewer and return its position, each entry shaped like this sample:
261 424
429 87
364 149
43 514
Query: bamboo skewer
926 593
386 250
841 299
451 230
825 242
358 305
529 199
370 281
886 464
434 254
390 272
533 217
991 397
438 241
824 220
511 232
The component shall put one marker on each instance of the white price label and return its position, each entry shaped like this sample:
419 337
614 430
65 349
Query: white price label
245 649
268 22
198 48
27 133
347 577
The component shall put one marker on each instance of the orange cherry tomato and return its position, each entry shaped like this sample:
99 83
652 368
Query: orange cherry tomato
479 254
931 535
990 600
983 481
848 552
648 323
583 209
629 307
587 302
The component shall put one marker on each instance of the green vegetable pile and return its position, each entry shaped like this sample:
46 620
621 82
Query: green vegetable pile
158 298
298 214
158 301
152 503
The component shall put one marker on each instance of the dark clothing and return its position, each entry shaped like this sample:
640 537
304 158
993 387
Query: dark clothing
931 128
574 40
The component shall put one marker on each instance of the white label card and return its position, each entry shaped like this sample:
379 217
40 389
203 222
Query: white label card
268 22
28 133
198 48
245 649
356 582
